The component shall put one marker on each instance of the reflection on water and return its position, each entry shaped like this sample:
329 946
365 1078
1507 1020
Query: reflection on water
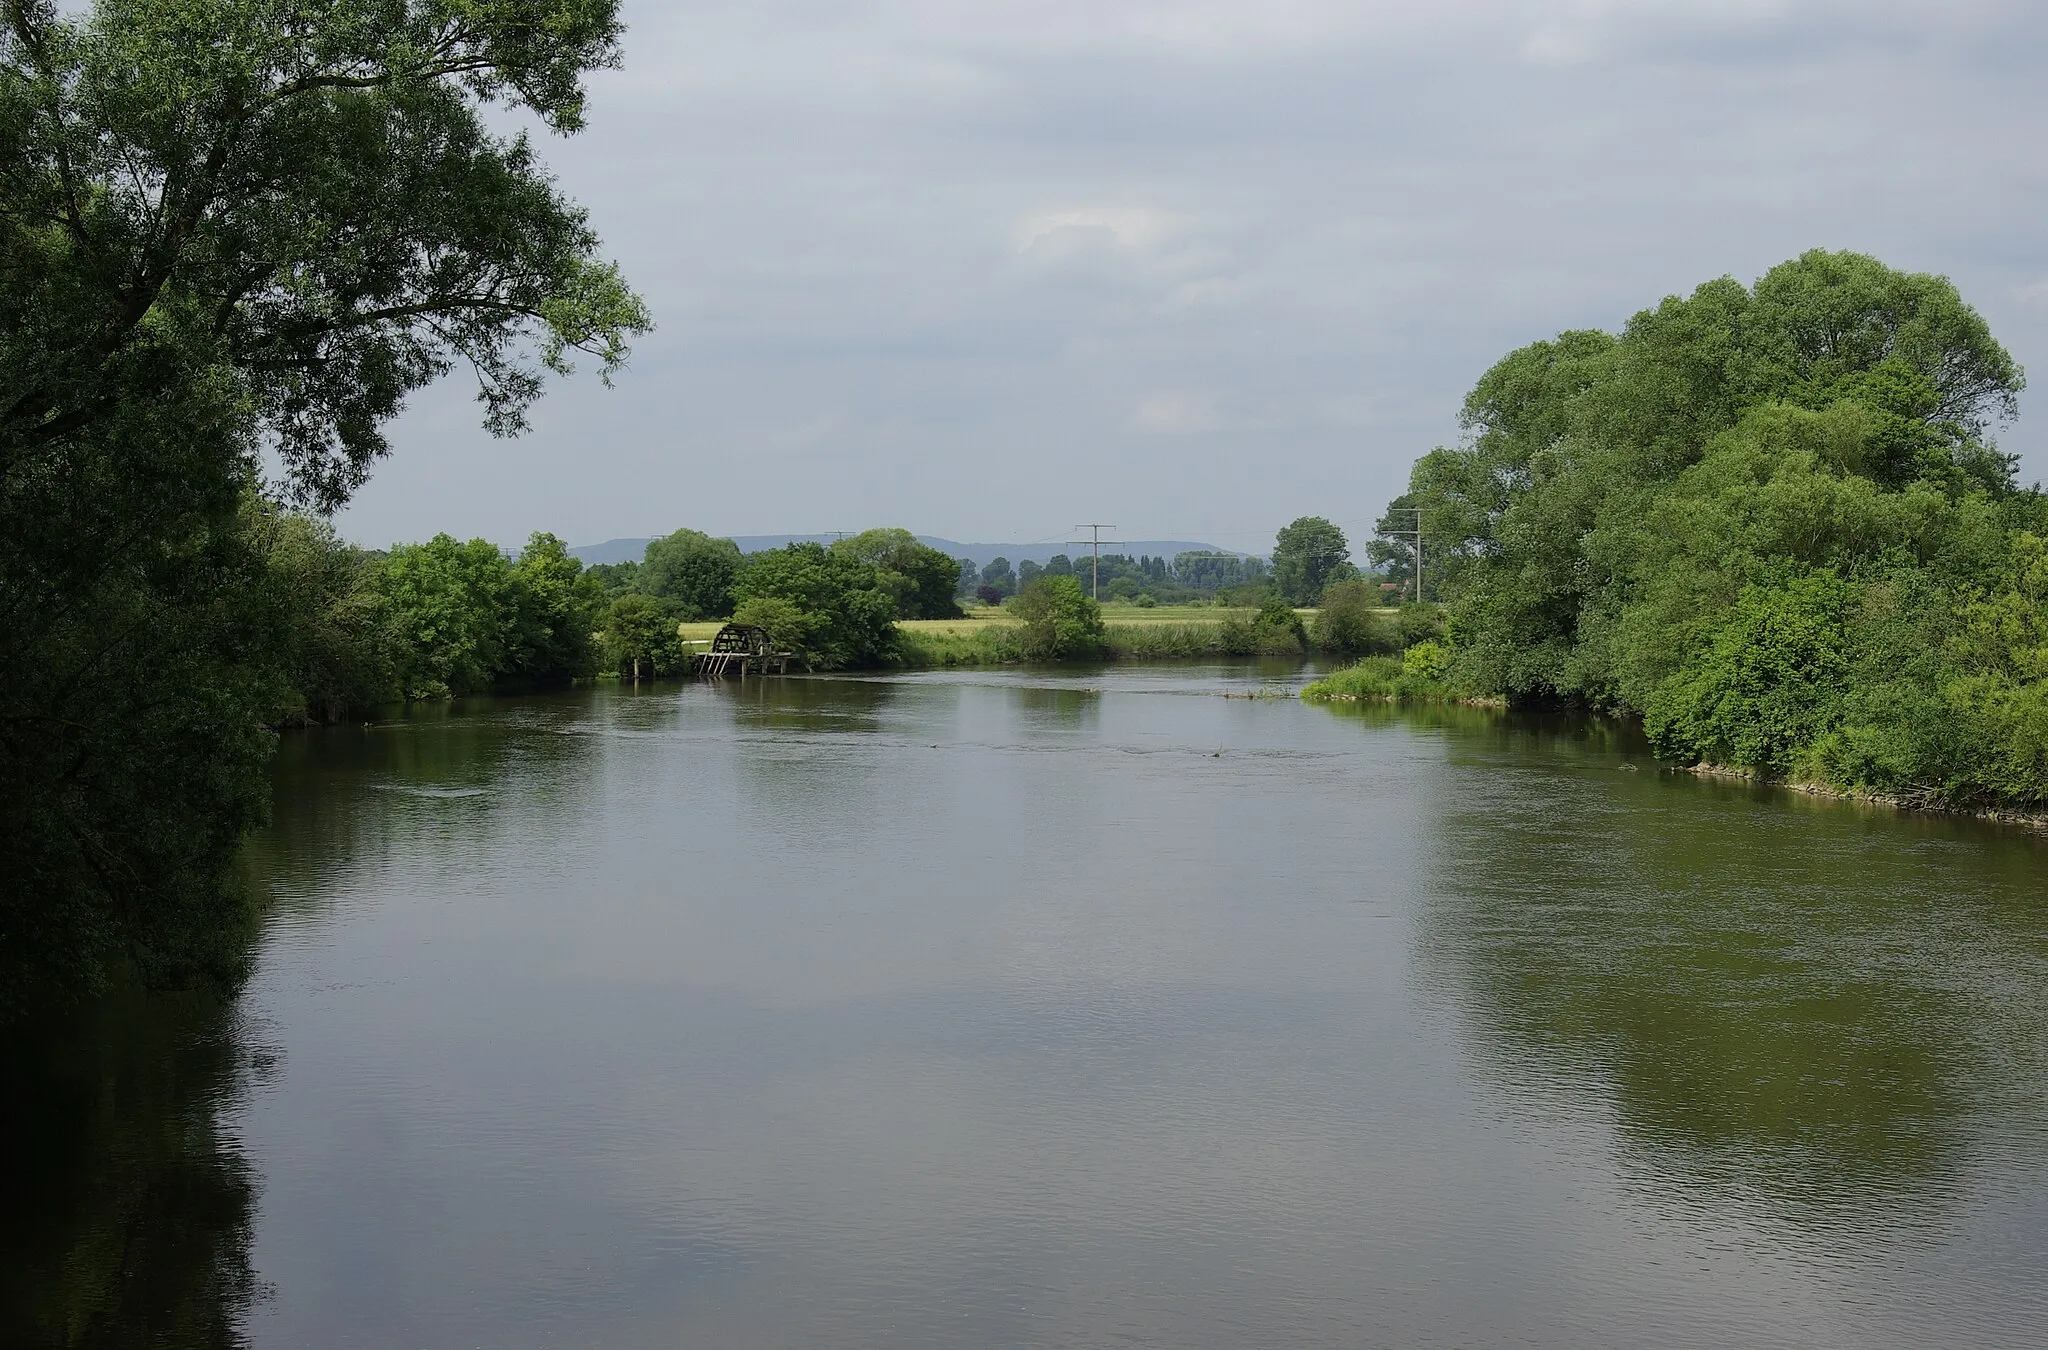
125 1218
1012 1008
1828 1004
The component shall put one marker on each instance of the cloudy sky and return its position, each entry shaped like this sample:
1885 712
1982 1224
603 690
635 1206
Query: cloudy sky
986 269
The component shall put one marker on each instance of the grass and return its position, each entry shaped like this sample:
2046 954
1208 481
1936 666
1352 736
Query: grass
1381 679
994 640
985 636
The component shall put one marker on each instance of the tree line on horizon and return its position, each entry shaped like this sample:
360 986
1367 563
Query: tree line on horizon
357 629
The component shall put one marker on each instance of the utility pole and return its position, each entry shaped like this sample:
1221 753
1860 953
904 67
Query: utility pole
1095 567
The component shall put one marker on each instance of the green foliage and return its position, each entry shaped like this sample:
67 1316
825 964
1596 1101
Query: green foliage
1060 621
998 577
1427 660
228 230
1277 630
1352 619
1387 679
1001 643
1211 573
640 639
921 580
450 608
787 625
555 608
334 653
1307 556
693 572
1415 623
615 579
1770 521
851 619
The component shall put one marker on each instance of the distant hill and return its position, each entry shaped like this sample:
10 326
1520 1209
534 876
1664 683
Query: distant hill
629 550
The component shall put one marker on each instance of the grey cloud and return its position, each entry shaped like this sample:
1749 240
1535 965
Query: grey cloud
984 269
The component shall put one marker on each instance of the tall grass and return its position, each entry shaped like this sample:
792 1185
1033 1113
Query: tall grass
1384 679
993 644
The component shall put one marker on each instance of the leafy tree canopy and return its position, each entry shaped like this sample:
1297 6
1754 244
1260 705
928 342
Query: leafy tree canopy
1308 555
922 580
847 619
230 229
693 571
1768 519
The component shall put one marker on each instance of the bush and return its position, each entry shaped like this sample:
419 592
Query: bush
1418 623
1350 620
1278 630
1059 620
1766 687
1394 679
1428 660
1145 600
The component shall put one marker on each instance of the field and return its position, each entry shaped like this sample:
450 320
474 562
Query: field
1115 615
985 636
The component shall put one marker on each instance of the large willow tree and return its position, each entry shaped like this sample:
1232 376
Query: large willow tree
232 229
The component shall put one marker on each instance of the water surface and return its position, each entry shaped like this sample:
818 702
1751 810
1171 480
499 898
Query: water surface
1010 1009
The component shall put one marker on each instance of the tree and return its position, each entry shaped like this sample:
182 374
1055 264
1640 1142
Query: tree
999 575
1308 555
451 608
555 607
229 230
335 652
693 571
1573 441
850 620
640 639
1391 550
921 579
1766 687
1769 521
1059 620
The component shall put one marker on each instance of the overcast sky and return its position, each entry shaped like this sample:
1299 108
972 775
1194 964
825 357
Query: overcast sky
989 269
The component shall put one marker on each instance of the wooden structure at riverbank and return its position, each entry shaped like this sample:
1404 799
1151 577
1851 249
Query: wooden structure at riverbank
739 650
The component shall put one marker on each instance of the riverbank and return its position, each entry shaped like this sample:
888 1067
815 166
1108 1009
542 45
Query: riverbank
2034 818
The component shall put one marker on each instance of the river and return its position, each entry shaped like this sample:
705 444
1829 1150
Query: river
1081 1009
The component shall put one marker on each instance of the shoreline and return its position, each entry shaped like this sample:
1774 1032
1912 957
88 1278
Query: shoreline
2035 818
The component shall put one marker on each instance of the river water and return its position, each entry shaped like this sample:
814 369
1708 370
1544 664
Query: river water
1013 1009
